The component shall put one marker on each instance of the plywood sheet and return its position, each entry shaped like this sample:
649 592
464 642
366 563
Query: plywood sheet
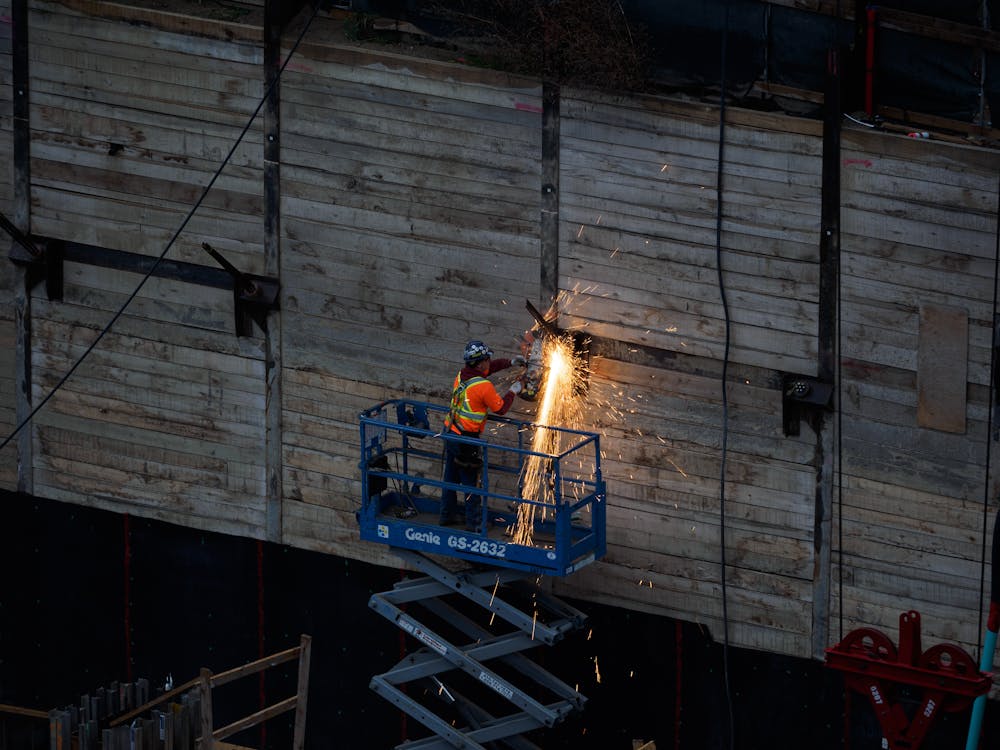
942 355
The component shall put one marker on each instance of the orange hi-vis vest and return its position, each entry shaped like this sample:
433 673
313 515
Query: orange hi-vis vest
470 404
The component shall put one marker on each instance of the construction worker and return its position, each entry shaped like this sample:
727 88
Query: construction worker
473 397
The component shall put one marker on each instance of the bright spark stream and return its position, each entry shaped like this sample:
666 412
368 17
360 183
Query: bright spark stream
559 405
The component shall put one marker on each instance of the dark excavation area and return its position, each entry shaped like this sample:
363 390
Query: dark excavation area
92 597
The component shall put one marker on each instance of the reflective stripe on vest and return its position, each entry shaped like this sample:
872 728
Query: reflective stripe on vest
462 415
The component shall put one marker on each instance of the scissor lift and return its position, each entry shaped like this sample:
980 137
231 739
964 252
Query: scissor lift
469 682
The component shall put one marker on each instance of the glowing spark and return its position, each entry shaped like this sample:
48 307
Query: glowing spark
579 234
558 406
665 167
597 671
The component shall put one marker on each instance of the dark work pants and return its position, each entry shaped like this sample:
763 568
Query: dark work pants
461 466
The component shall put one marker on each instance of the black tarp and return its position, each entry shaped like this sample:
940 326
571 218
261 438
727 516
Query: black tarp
90 596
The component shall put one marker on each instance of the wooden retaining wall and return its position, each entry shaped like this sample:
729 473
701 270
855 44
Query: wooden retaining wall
638 239
918 289
409 207
410 222
128 124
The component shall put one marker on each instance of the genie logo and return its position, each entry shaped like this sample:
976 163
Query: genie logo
427 537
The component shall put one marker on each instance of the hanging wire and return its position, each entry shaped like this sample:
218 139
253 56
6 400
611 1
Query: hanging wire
991 394
170 243
725 372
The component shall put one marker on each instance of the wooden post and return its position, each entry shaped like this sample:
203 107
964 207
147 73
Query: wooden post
273 24
302 693
549 227
825 425
206 742
22 220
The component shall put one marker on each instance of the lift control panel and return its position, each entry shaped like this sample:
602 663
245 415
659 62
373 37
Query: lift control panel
543 501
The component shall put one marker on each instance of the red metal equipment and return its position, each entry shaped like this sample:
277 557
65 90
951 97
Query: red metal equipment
949 678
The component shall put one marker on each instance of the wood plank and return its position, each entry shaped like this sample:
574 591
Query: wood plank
166 500
942 354
50 486
131 37
153 467
935 162
420 76
130 13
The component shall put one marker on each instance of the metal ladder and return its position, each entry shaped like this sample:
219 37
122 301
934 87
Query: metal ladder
494 692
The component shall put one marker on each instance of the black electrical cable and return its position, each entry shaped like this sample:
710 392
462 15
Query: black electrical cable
839 456
725 373
991 394
170 243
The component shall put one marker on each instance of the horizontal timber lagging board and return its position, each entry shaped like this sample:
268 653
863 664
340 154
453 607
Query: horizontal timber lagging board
409 209
918 228
638 211
660 433
130 123
164 418
641 268
778 620
241 20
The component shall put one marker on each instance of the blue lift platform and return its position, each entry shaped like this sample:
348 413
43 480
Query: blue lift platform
401 470
479 602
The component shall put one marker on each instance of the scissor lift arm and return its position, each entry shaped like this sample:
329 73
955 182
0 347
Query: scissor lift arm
536 698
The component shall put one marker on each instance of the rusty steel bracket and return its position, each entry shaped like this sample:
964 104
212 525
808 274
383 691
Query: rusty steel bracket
948 678
581 346
42 260
253 296
802 396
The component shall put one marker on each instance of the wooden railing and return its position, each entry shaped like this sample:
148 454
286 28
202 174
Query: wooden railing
206 681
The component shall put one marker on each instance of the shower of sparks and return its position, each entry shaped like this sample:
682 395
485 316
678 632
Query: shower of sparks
559 405
562 403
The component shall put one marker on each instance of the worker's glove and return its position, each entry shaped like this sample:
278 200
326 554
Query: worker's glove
518 361
516 387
